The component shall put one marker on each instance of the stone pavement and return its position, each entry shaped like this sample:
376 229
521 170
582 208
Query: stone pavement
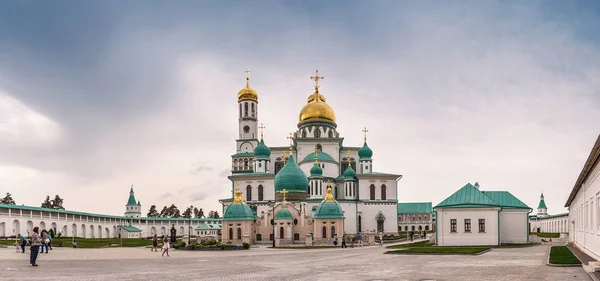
367 263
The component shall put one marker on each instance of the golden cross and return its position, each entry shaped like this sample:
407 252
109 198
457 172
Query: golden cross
316 155
284 192
247 74
317 78
291 138
365 131
349 154
262 128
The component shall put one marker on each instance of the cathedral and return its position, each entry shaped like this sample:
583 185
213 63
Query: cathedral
313 189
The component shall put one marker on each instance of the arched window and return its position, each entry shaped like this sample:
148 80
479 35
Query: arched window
333 231
413 218
352 163
344 165
372 191
319 147
281 232
406 228
330 134
239 233
246 164
278 164
420 228
383 192
260 193
240 110
258 237
248 193
324 232
304 134
419 218
230 233
317 132
245 109
252 109
413 228
427 228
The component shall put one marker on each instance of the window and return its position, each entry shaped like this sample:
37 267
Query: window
304 133
372 192
383 192
467 225
317 133
248 193
278 164
259 165
240 110
452 225
481 225
258 237
239 233
246 109
332 231
246 129
260 193
344 165
271 237
281 232
324 232
399 218
296 236
252 110
330 134
427 228
230 233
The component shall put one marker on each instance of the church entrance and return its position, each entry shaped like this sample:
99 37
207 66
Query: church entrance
380 218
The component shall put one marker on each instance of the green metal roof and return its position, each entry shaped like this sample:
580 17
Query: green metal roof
542 204
31 208
238 212
349 173
291 177
262 151
468 195
329 210
322 157
316 170
415 208
505 199
283 214
209 226
131 201
129 228
243 154
377 174
365 152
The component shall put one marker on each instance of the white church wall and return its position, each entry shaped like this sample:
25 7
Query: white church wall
350 209
268 188
584 212
461 238
369 213
514 226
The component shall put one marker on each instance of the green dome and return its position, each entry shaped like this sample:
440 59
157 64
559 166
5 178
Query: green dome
329 208
283 214
262 151
291 177
322 156
316 170
349 172
365 152
131 201
238 210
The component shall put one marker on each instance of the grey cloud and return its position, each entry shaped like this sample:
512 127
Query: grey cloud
224 173
199 167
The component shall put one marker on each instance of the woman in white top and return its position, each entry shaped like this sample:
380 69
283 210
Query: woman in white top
165 246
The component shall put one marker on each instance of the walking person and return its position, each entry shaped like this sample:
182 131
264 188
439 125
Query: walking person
50 237
335 240
166 246
23 242
35 246
352 241
154 244
45 241
412 234
380 239
344 241
360 238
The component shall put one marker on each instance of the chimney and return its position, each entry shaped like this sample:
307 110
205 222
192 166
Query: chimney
477 185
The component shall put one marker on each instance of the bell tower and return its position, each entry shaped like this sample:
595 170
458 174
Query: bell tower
248 118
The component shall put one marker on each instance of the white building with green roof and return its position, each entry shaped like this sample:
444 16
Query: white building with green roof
317 156
471 216
415 216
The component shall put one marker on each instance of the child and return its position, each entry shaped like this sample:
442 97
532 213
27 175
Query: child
17 246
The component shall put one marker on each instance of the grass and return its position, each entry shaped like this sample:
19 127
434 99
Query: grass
562 255
441 250
411 245
547 234
93 242
521 245
303 247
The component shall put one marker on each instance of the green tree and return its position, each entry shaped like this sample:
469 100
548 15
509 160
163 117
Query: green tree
152 213
7 199
164 213
47 203
174 211
188 212
216 215
211 214
198 213
57 203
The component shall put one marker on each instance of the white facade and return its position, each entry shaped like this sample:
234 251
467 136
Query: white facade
584 206
16 219
552 223
447 235
514 226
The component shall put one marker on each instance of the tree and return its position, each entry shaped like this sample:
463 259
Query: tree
57 203
7 199
152 213
198 213
174 211
164 213
216 215
211 214
188 212
47 203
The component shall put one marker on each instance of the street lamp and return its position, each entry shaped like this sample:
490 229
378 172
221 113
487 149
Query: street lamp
273 220
190 230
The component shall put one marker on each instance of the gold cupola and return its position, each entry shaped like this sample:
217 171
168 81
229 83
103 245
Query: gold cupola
316 108
247 93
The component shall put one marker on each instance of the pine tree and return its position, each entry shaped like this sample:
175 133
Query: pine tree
216 215
188 212
47 203
7 199
211 214
57 203
164 213
152 213
200 213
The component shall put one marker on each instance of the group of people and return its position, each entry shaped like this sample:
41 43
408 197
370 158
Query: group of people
350 239
165 244
421 235
38 242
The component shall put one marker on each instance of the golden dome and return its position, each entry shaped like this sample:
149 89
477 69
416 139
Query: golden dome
316 109
247 93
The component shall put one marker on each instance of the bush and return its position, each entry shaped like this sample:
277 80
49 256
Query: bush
246 246
211 242
193 246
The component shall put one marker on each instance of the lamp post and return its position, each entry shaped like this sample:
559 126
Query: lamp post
190 230
273 223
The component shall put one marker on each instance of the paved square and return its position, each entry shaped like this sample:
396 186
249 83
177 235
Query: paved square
368 263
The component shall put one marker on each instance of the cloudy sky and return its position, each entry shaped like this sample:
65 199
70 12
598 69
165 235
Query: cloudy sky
98 95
